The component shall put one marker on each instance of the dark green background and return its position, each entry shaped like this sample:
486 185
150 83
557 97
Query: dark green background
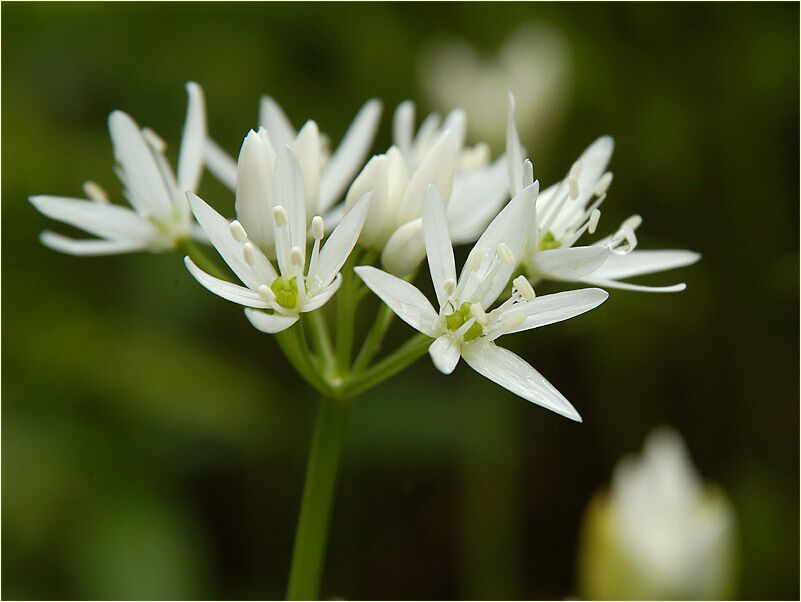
154 443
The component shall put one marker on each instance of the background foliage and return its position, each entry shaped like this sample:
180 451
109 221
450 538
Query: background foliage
154 443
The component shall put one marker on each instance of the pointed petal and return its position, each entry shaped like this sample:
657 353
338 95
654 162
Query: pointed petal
571 263
339 245
100 219
444 353
254 186
514 150
374 177
269 323
456 121
226 290
405 249
289 194
220 164
403 298
625 286
322 297
275 121
477 197
436 168
350 154
549 309
63 244
403 126
516 375
190 157
638 262
438 246
306 149
147 189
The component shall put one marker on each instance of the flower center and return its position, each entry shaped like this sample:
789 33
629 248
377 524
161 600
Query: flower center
457 319
549 242
286 292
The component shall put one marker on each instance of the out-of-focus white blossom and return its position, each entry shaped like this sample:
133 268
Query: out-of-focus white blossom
660 532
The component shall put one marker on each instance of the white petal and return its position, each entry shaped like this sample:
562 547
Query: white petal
226 290
350 154
403 126
571 263
289 194
220 163
444 353
374 177
403 298
405 249
322 297
675 288
219 231
438 244
306 149
104 220
190 157
549 309
146 187
436 168
63 244
637 263
273 119
456 121
339 245
254 186
518 376
269 323
514 150
477 197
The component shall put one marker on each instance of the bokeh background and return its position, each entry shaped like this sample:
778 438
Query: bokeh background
154 443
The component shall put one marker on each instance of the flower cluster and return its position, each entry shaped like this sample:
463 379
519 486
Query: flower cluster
381 217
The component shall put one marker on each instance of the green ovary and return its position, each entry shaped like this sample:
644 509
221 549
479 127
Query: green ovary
457 319
286 292
549 242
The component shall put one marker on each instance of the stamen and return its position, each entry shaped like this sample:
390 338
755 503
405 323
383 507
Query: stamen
603 184
238 231
528 173
154 140
478 313
318 227
95 192
631 238
266 292
524 287
280 216
449 286
249 253
633 222
465 327
595 216
474 261
505 255
296 256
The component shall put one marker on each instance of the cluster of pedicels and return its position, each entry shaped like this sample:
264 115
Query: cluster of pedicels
301 210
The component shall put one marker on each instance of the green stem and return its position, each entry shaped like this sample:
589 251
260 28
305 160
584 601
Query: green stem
293 345
322 340
346 310
311 537
201 259
405 355
372 343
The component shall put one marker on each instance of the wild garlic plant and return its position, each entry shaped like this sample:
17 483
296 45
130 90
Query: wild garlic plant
315 229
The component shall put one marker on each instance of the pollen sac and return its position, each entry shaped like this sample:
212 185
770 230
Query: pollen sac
549 242
286 292
457 319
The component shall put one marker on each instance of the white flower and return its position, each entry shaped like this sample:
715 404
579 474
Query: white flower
325 176
661 533
464 326
534 63
160 218
472 188
568 209
273 205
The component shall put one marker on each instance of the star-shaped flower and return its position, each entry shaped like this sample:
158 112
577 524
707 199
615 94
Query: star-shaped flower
465 326
568 209
159 217
274 203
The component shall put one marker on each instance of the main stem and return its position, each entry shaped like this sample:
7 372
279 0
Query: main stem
308 556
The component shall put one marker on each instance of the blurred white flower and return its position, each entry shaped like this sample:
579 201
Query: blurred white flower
464 326
473 188
571 207
271 206
160 218
660 533
325 176
534 63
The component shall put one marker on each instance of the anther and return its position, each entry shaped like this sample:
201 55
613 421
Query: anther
528 173
633 222
296 256
237 231
449 286
266 292
154 140
94 191
318 227
524 287
478 313
513 319
474 261
603 184
249 253
592 224
505 255
280 216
